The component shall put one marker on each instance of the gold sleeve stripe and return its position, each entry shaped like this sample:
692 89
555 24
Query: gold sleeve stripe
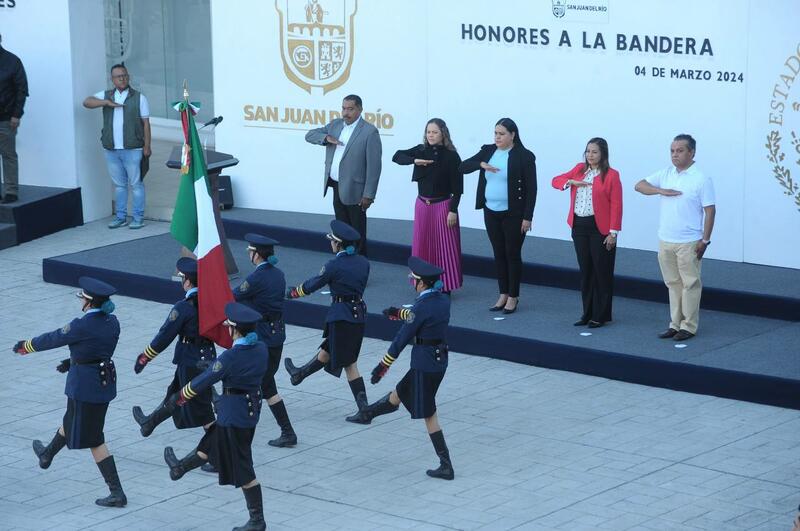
388 359
150 352
404 313
188 392
29 346
300 291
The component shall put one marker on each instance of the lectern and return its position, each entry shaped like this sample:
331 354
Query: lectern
215 162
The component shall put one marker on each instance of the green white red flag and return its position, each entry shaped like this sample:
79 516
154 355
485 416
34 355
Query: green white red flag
194 226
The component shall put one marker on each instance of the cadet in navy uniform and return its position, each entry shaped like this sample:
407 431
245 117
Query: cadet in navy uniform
426 325
346 274
91 382
241 370
263 290
191 349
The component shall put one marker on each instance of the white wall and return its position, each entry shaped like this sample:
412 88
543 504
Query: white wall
413 64
61 46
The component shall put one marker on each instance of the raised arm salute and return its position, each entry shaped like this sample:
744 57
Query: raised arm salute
352 165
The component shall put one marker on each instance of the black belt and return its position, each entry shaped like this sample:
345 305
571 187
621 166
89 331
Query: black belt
432 200
234 391
271 317
196 341
428 342
90 362
349 300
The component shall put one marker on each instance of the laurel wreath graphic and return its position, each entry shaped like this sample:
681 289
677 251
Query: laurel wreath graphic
782 174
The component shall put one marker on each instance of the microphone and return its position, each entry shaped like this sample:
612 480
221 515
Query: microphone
213 121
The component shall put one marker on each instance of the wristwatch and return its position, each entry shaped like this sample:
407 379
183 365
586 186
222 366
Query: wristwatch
707 242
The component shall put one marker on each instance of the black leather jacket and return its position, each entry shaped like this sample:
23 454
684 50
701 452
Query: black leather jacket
13 86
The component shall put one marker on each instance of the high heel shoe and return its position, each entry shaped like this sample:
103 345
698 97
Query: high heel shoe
499 307
581 322
514 309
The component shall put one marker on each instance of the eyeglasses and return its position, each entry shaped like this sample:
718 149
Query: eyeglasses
120 76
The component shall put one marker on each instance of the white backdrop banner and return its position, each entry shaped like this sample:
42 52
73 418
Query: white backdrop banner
635 73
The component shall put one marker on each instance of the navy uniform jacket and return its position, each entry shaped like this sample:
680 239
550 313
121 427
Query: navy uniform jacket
241 368
347 275
92 340
264 291
183 322
429 318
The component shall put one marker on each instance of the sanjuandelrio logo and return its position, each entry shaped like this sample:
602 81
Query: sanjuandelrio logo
316 41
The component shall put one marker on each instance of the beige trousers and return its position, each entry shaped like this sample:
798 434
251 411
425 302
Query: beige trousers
681 271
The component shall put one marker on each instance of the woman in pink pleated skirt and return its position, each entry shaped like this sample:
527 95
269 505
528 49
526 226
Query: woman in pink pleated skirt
437 235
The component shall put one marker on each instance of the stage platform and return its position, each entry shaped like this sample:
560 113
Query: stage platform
737 356
39 211
733 287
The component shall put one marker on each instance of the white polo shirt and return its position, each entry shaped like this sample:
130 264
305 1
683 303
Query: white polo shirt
344 138
681 218
119 116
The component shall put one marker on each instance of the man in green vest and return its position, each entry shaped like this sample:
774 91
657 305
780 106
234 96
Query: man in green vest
126 139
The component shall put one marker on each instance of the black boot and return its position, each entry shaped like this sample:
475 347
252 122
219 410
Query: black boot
46 454
149 422
288 436
178 467
360 394
298 374
117 497
255 506
381 407
445 470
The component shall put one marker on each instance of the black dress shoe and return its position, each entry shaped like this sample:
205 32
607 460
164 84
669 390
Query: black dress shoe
668 333
497 308
9 198
595 324
683 335
512 310
581 322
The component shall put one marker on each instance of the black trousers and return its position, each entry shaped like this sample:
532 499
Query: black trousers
353 215
505 234
597 269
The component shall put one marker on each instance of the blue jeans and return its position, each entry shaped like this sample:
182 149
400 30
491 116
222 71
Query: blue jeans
124 167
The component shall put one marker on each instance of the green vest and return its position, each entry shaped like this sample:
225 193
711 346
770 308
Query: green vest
132 127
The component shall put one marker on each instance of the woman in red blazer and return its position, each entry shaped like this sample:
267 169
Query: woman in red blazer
595 215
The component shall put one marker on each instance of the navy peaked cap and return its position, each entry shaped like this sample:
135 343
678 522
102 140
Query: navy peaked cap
423 269
259 240
186 265
341 231
237 313
95 288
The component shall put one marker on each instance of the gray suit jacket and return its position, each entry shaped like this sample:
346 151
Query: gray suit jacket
360 168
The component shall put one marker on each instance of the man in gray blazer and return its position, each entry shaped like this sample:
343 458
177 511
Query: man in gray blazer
352 165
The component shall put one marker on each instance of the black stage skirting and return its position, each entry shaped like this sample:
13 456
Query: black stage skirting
736 356
39 211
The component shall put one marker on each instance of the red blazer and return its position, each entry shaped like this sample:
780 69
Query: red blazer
606 198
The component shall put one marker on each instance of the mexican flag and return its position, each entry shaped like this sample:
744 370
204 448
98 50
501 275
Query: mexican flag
193 225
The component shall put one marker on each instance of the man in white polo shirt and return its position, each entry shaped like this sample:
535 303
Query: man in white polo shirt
685 225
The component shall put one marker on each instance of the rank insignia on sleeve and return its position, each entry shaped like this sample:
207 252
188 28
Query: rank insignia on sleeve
407 315
244 286
65 329
217 366
173 315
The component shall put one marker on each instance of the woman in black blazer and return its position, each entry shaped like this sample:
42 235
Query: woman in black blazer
507 195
